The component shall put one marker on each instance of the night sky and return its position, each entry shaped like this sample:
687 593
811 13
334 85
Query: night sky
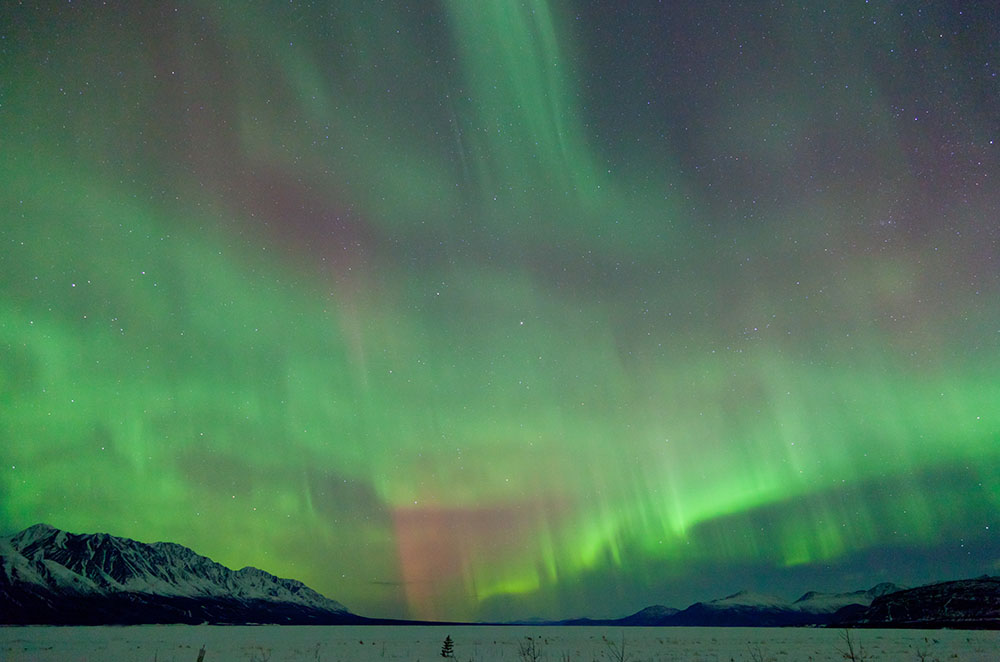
508 308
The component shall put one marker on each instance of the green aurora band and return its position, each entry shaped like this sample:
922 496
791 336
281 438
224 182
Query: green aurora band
421 308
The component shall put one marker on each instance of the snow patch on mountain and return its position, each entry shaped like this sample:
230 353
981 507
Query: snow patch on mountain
748 599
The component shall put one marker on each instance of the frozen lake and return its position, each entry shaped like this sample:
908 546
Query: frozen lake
180 643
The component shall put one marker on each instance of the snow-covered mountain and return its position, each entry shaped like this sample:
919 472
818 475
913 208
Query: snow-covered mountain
651 615
814 602
742 609
51 576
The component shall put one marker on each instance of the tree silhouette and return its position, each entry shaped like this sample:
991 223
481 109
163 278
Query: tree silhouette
448 648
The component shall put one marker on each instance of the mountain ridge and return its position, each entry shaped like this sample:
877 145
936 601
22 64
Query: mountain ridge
50 575
962 603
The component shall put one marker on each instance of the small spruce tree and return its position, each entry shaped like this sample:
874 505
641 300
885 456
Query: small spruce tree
448 648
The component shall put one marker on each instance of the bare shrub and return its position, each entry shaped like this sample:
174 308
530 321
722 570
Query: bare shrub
852 650
529 650
616 652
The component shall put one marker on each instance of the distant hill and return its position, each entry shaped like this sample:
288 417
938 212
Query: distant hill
654 615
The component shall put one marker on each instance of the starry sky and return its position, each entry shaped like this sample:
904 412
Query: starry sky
513 308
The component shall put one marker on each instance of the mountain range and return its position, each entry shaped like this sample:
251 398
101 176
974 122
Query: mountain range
752 610
49 576
965 604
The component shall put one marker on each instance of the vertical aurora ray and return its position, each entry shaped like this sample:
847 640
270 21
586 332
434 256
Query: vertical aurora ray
527 309
524 131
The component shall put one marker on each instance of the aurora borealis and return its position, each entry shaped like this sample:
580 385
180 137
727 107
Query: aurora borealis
490 310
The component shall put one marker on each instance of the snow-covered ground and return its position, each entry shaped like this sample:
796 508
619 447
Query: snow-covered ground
179 643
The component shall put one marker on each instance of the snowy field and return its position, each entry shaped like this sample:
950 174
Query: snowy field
179 643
